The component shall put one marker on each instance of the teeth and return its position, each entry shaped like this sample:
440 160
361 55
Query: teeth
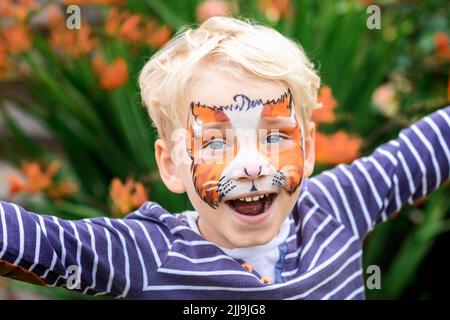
255 198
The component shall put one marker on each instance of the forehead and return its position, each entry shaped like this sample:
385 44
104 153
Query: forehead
244 113
213 88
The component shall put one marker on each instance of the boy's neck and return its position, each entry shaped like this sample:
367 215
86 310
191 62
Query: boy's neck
223 243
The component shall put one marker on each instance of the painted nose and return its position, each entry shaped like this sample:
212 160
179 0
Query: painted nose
253 171
249 171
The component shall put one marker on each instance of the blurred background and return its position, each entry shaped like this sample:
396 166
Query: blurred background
75 141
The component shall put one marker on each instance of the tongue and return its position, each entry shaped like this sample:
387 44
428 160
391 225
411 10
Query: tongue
251 208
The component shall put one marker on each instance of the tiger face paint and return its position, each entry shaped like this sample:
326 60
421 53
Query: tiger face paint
244 148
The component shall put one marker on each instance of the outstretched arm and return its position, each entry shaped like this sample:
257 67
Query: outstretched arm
91 256
401 171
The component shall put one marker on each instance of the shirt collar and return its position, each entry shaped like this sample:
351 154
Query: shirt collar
247 252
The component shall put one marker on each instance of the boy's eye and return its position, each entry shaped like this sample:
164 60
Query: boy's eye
274 138
215 144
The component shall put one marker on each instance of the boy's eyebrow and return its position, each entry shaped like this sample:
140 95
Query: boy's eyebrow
216 125
277 122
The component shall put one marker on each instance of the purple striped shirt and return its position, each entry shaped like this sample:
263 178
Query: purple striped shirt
152 254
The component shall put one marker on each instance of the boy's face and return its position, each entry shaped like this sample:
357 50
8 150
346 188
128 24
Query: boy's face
244 158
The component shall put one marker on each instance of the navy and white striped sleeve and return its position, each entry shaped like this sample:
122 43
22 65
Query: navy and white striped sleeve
401 171
92 256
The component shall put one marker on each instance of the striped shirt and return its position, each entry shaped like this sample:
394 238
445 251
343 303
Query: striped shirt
152 254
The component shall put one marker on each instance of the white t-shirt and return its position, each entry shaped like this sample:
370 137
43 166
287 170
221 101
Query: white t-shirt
262 258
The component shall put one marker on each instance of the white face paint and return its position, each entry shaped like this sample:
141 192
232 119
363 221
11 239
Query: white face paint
249 162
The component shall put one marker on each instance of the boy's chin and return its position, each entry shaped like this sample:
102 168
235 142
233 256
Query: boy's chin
249 231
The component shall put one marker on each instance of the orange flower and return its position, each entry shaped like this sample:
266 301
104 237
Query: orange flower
441 40
6 9
276 9
130 30
111 75
17 38
114 20
211 8
76 42
326 113
126 197
135 29
36 179
16 185
160 36
139 196
337 148
18 10
442 44
61 190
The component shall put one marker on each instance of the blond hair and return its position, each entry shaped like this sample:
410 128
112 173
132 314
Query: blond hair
231 46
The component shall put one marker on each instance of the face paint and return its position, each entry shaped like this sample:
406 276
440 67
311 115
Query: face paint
247 146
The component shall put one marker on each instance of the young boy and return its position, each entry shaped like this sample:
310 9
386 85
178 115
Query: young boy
232 104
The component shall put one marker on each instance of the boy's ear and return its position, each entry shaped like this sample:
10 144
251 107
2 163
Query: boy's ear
167 167
310 150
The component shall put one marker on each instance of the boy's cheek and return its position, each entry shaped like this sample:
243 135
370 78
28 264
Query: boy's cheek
290 162
205 177
292 165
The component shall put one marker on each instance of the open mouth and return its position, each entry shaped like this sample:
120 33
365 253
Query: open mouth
252 206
